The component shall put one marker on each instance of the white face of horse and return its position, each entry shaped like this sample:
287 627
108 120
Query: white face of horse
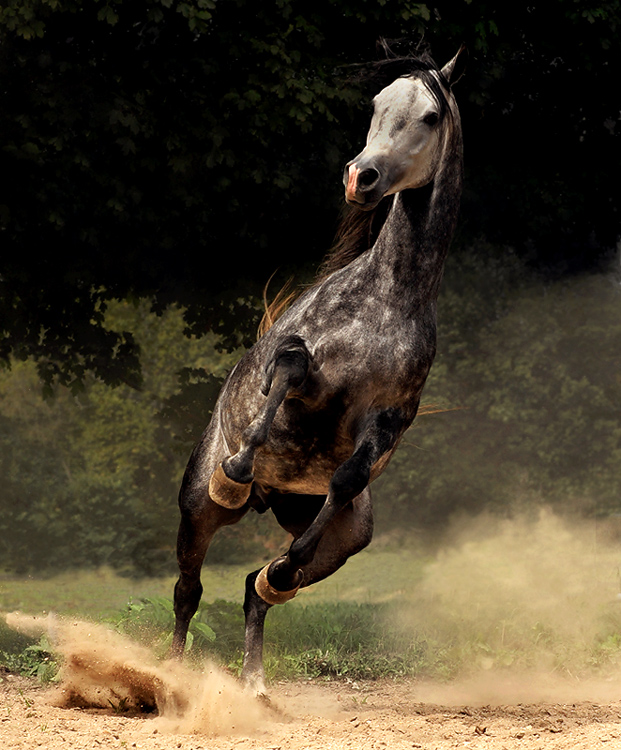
404 143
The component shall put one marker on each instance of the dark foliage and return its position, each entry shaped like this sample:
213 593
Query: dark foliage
183 151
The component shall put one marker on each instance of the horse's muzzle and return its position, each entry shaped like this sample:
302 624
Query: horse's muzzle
362 185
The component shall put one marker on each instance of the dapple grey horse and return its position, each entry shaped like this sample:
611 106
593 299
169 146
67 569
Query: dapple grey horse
314 411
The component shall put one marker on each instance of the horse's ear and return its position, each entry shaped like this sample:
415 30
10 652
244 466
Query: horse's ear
455 68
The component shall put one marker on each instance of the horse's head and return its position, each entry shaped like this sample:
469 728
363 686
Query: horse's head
404 143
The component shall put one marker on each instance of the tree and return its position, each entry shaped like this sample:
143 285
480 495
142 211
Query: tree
179 153
91 479
159 149
183 151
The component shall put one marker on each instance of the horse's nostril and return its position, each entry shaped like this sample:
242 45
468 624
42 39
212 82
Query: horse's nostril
368 177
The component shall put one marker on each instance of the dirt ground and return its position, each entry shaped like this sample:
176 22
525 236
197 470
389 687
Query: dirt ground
114 693
308 715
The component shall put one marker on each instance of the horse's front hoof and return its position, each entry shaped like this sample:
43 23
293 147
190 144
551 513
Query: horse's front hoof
271 595
227 492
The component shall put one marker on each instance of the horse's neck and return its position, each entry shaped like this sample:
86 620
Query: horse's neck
412 246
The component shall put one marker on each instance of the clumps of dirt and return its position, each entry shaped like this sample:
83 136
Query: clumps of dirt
103 669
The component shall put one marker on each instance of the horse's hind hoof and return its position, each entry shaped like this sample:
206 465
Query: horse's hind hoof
271 595
226 492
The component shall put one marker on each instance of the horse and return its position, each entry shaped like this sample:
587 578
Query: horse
313 412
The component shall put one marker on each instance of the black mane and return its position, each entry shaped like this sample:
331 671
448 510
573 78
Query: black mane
382 73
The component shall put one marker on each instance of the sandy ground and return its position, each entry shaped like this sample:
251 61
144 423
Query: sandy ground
327 715
545 575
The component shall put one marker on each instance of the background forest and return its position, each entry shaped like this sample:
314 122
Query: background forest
160 160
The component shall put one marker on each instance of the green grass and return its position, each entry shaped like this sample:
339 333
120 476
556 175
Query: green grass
341 639
330 629
386 613
102 593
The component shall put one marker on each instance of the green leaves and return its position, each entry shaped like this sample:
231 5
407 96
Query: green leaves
91 480
197 14
106 13
152 620
204 631
36 660
21 18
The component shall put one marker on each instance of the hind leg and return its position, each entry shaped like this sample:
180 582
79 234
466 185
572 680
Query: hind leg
196 531
349 532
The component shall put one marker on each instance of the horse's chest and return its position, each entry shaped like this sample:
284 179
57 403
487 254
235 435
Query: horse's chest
374 367
364 365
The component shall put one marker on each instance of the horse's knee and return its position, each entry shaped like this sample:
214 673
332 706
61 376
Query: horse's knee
289 362
226 491
295 364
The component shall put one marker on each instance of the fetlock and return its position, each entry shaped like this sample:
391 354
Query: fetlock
277 583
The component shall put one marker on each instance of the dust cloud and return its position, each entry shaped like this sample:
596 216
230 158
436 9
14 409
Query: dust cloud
101 668
521 610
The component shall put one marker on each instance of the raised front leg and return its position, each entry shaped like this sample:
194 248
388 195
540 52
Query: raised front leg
230 484
280 580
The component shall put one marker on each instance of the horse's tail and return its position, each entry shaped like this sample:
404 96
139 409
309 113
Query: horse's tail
274 309
427 409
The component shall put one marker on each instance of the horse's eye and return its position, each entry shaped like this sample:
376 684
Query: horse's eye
431 119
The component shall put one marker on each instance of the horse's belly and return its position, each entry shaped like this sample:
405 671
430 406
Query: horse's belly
296 473
303 483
